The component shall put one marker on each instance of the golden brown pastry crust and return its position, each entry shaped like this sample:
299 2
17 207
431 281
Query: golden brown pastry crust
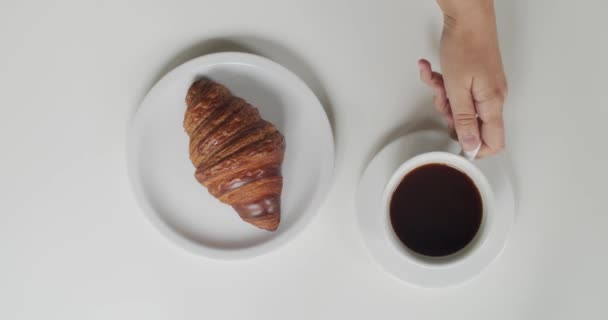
237 154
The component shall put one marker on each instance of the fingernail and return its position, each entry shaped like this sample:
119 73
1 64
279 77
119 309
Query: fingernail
469 142
472 154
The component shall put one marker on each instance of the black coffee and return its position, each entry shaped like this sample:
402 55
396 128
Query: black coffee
436 210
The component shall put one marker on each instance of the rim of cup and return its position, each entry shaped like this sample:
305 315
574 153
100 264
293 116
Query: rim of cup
466 167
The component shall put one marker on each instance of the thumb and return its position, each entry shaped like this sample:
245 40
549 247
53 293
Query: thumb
465 119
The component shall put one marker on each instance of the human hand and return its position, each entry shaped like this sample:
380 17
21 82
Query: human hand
471 92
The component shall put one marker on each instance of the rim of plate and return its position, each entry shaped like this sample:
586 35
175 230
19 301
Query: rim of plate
319 197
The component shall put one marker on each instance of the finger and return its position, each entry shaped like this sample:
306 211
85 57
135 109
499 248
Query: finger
451 125
493 136
429 77
465 118
425 69
435 81
492 126
442 105
440 101
485 151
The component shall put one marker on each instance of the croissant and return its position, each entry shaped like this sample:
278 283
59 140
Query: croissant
237 154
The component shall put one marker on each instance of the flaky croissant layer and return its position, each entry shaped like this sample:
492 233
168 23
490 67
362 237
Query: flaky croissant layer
236 153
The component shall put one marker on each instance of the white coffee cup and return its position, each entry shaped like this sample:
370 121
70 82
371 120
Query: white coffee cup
463 165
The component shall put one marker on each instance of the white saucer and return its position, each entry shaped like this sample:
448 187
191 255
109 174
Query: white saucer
163 176
369 209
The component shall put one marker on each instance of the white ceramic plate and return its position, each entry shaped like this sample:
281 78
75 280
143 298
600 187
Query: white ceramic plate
369 211
163 176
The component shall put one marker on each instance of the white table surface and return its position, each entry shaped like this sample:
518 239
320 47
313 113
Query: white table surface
75 245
